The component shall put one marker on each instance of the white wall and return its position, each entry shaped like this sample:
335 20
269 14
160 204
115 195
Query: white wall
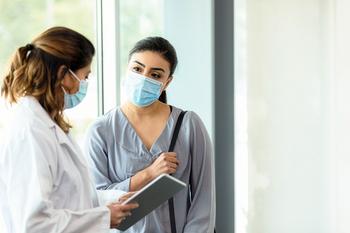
286 51
340 152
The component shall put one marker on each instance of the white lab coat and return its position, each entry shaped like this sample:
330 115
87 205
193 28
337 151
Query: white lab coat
45 185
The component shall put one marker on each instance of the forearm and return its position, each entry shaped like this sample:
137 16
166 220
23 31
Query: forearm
140 179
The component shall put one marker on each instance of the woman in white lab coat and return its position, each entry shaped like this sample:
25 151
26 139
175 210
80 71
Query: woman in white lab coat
45 184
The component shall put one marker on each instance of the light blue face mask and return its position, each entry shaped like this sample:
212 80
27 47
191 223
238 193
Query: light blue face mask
140 90
72 100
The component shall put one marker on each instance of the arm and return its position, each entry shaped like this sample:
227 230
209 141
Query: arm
165 163
140 179
32 167
201 215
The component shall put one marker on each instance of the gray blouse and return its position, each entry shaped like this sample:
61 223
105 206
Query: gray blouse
117 153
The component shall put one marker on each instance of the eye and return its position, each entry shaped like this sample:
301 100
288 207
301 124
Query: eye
136 69
156 75
87 77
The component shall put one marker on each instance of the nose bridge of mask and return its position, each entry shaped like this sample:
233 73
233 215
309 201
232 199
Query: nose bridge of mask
148 84
141 90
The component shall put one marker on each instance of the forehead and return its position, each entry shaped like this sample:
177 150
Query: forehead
85 69
150 60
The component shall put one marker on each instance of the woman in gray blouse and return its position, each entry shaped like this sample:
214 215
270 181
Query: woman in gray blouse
128 145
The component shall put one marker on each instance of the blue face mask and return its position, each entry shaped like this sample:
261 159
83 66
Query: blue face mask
140 90
72 100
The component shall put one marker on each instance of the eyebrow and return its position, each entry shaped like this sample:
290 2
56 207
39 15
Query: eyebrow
153 68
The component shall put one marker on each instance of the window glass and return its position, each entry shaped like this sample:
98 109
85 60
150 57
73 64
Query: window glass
138 19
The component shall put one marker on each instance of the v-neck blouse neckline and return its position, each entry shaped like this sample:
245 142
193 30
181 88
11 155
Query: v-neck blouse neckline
156 147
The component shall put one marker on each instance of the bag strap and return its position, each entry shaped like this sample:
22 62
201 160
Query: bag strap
171 149
176 131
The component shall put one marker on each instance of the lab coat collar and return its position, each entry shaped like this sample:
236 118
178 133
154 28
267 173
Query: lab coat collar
63 139
34 106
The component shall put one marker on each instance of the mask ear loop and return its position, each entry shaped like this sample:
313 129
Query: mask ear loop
164 86
162 89
74 75
167 84
64 91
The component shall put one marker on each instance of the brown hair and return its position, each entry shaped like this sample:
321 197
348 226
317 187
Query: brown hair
34 69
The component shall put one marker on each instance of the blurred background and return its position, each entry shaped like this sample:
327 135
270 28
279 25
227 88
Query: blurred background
269 78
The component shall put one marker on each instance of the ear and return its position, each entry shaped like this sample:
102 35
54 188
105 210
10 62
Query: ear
168 81
61 73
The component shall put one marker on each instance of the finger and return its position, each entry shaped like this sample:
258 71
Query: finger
172 165
169 163
171 171
122 200
126 196
129 194
172 160
168 168
132 206
120 209
166 155
162 155
121 215
170 154
128 207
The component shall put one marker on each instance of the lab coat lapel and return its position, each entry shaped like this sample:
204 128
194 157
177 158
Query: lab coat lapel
65 141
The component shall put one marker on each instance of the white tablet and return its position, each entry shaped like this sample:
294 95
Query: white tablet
150 197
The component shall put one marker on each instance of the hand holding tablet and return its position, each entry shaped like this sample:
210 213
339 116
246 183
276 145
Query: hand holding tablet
150 197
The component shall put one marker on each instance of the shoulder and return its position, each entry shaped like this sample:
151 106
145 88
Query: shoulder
25 123
28 118
190 117
192 121
104 122
29 137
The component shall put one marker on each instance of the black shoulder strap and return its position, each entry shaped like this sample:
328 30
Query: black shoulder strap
176 131
171 149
